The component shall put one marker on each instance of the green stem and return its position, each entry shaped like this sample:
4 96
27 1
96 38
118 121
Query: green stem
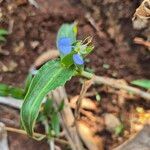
86 74
49 140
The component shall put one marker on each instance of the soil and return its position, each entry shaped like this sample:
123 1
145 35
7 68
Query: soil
34 31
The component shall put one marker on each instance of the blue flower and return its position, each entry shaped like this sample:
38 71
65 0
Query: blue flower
65 45
78 60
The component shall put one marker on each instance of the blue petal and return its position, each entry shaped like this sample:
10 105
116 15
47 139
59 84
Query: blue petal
64 45
78 60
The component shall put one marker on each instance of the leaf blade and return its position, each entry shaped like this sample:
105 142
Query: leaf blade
3 32
55 123
68 31
142 83
49 77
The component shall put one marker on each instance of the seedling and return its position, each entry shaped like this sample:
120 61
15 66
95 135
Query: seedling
53 74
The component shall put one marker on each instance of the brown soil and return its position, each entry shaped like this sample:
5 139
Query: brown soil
125 59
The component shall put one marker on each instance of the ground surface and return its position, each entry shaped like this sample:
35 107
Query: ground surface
34 31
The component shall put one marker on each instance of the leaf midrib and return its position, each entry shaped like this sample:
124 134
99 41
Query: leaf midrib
38 98
31 105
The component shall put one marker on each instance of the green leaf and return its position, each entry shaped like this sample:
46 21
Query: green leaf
89 49
98 97
119 129
28 81
61 106
3 32
41 118
49 77
48 107
4 90
75 28
142 83
55 123
68 59
16 92
67 30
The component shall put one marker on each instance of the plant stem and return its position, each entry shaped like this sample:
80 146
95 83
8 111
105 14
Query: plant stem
50 141
10 129
115 84
23 132
87 74
85 87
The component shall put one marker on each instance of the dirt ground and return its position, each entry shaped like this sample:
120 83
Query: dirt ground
33 31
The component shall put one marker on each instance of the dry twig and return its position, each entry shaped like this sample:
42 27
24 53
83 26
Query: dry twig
3 137
88 114
95 26
141 41
115 84
67 118
45 56
10 129
84 89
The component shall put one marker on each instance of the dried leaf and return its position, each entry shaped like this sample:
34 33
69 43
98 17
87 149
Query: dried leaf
142 14
45 56
85 104
88 136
